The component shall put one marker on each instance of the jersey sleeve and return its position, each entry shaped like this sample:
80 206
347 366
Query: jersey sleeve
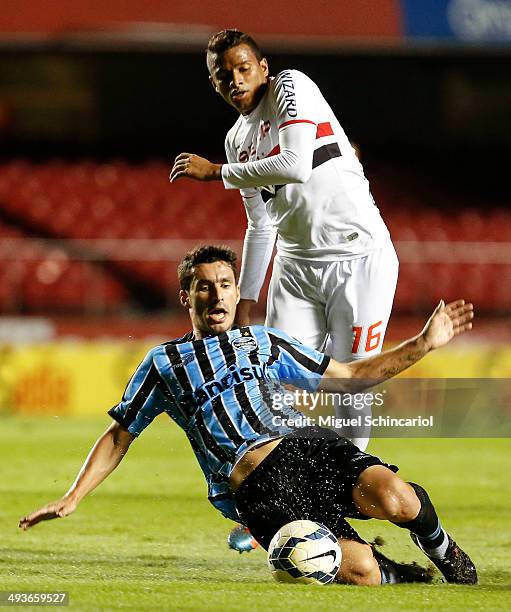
293 98
259 239
293 362
142 400
296 98
257 247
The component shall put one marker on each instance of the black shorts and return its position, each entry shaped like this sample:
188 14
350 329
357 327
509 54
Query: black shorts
309 475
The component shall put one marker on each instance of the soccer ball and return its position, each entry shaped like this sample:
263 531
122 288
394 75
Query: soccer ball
304 551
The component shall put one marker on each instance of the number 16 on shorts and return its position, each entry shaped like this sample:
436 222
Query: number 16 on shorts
368 337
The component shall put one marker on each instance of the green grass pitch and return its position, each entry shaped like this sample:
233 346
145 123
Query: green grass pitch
148 539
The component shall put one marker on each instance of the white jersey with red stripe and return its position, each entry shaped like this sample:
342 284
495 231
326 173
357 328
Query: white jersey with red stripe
335 273
299 175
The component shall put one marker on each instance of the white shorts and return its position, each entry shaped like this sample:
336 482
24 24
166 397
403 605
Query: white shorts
341 308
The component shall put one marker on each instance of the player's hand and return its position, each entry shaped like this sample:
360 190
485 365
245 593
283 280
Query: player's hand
241 540
57 509
243 312
193 166
447 321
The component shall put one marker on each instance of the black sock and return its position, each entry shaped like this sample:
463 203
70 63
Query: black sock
426 525
388 570
388 576
392 572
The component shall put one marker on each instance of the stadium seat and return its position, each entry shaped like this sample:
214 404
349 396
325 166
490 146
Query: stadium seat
443 243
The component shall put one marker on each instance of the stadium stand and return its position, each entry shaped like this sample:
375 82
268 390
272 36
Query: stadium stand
38 277
100 237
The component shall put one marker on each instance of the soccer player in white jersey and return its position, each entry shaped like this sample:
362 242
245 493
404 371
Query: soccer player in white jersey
335 273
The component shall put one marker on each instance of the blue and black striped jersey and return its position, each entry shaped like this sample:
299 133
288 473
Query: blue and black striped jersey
219 390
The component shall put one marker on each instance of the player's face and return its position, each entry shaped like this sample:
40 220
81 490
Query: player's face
211 299
239 77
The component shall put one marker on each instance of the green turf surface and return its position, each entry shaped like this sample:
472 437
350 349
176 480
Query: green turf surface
148 539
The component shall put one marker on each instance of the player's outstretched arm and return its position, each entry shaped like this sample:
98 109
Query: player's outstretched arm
192 166
104 457
446 322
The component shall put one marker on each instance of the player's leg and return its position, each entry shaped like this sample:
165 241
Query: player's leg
363 565
360 293
358 564
294 305
380 494
310 475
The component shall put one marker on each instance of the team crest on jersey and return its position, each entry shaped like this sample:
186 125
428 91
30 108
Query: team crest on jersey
245 344
185 360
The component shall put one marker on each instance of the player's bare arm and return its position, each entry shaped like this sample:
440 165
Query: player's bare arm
192 166
104 457
446 322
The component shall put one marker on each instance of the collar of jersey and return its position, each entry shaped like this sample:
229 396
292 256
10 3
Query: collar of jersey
189 337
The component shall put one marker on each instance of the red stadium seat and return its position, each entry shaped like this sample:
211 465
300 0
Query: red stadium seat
118 200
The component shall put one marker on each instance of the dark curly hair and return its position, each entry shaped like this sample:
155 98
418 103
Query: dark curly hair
204 254
220 42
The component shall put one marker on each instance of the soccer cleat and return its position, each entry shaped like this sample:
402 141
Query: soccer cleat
456 566
241 540
403 572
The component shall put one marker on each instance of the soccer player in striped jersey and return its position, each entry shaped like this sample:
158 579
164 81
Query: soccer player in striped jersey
335 272
218 383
